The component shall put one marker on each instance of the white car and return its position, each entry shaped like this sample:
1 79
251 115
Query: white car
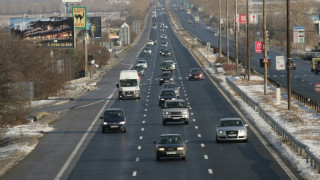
164 44
142 62
231 129
171 63
163 36
147 50
150 42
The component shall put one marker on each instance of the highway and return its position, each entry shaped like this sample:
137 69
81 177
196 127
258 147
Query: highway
77 149
303 79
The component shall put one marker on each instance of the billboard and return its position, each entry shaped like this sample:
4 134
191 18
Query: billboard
56 32
80 17
114 33
298 34
94 27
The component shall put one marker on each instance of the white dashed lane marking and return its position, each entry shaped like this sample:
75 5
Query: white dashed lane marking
139 147
193 119
145 109
141 137
210 171
137 159
134 173
143 122
206 157
196 127
199 135
202 145
142 129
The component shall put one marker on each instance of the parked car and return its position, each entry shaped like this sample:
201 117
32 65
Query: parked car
142 62
196 73
170 145
175 111
231 129
114 119
172 85
166 94
166 76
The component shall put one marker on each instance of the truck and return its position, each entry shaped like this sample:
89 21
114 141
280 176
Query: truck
196 19
315 61
129 84
175 110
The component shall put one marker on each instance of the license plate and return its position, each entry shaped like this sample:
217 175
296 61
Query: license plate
166 80
232 135
176 118
171 152
114 126
196 76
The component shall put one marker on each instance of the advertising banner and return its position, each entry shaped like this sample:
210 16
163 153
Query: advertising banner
94 27
243 18
80 17
55 32
259 46
298 34
280 63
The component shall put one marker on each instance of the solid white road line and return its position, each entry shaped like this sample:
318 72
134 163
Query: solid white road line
75 151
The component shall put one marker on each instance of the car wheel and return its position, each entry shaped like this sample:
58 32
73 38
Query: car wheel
217 140
125 130
183 158
164 122
158 158
103 131
245 141
120 98
186 122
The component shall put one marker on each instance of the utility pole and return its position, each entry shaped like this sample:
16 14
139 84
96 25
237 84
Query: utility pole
236 36
248 43
220 28
265 45
289 54
227 29
85 54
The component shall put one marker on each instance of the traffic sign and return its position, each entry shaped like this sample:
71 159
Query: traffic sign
265 60
317 87
259 46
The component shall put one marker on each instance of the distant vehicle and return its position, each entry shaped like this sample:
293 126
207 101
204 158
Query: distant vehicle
164 44
293 65
315 59
196 19
231 129
188 11
172 85
166 76
317 69
196 73
189 21
140 70
166 94
175 111
170 145
147 50
165 52
150 42
129 84
114 119
154 27
163 36
142 62
168 65
162 30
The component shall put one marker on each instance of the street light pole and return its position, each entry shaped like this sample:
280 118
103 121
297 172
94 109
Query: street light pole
219 28
265 45
236 36
289 54
248 43
227 29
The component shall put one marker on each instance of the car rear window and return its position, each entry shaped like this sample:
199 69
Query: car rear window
170 140
113 114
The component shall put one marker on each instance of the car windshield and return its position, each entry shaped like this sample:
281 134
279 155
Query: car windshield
167 93
128 83
166 86
113 114
195 70
166 75
231 123
170 140
141 62
175 104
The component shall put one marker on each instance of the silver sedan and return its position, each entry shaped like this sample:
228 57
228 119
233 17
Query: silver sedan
231 129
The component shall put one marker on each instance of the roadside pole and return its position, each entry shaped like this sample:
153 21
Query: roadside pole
265 48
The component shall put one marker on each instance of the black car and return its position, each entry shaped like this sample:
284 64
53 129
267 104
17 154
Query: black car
166 94
170 145
165 52
166 76
196 73
114 119
140 70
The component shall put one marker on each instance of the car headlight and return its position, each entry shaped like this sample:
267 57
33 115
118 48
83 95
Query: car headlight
162 99
220 132
166 113
122 122
184 112
105 123
160 149
171 79
242 132
190 75
180 148
161 79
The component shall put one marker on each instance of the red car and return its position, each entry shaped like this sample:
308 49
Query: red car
196 73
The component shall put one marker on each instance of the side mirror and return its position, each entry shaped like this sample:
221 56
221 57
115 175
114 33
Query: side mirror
117 85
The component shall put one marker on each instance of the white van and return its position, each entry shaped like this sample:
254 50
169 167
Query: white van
129 84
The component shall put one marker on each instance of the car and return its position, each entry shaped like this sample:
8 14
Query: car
166 76
163 36
164 44
175 111
168 65
165 52
142 62
189 21
196 73
162 30
166 94
172 85
231 129
150 42
140 70
170 145
114 119
293 65
147 50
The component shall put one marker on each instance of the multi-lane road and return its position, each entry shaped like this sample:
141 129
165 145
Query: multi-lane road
77 149
303 79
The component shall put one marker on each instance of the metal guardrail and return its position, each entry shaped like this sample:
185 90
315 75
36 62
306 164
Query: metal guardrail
299 147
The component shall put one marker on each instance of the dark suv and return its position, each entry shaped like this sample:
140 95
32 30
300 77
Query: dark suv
114 119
